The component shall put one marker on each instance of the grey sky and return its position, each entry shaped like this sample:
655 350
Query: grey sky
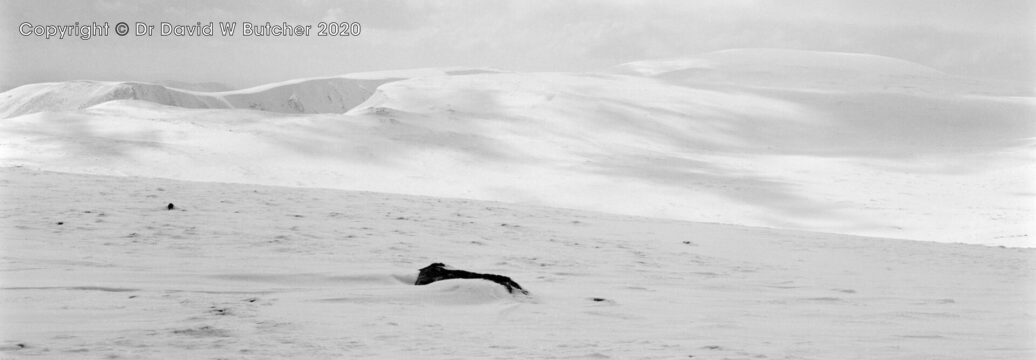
995 39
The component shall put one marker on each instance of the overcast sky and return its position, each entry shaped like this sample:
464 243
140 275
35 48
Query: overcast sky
994 39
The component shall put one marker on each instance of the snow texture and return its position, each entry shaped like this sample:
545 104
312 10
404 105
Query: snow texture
96 267
744 204
924 156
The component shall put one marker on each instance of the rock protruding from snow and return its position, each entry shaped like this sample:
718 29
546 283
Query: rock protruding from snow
439 271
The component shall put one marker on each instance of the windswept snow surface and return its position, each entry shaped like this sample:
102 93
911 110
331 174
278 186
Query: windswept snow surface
843 143
96 267
304 209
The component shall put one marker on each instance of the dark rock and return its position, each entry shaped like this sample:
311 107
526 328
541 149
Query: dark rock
170 206
439 271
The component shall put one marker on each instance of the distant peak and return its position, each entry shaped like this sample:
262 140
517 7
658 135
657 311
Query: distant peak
822 59
781 60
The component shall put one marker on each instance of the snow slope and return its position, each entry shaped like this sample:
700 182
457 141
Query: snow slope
205 86
950 165
315 95
96 267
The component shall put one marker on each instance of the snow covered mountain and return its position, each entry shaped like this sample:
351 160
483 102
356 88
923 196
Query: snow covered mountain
204 86
801 150
309 96
816 71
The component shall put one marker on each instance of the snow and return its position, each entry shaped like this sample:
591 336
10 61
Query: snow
740 204
948 165
784 60
205 86
815 71
251 271
313 95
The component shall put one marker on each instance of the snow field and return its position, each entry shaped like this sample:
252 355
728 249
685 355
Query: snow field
253 272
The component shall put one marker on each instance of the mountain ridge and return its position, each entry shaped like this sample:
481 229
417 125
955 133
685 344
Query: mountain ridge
317 95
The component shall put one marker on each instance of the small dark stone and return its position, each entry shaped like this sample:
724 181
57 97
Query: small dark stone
21 346
439 271
599 299
170 206
61 223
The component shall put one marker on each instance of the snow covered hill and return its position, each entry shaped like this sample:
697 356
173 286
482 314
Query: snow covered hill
96 267
782 62
816 71
204 86
312 96
75 95
951 165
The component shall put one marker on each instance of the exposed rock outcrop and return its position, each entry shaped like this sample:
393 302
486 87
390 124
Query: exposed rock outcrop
439 271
